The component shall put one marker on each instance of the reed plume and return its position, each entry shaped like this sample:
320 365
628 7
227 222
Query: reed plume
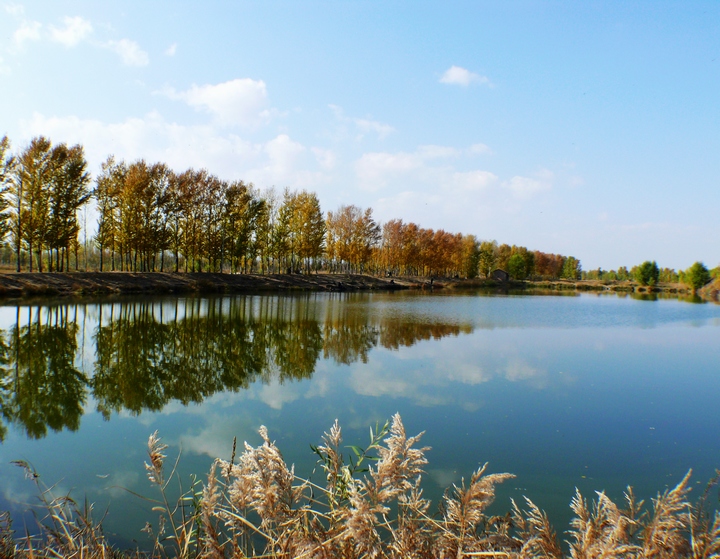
257 507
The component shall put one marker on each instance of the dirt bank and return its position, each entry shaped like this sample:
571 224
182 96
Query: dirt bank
711 291
25 285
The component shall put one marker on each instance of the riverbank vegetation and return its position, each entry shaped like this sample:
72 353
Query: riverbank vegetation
152 218
369 504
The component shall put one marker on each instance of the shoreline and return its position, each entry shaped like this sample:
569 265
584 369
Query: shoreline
26 285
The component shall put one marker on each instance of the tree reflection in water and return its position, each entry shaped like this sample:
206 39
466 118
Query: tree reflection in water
41 387
149 353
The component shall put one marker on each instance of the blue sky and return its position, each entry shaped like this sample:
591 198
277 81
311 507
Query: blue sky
583 128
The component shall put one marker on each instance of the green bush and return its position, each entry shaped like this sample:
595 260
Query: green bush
696 276
647 273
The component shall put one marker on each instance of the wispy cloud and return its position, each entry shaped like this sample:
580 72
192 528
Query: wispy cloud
238 102
429 164
479 149
379 128
129 51
72 31
455 75
525 187
363 125
15 9
75 30
171 50
28 31
280 160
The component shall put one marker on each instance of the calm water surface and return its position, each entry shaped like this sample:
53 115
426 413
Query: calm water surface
594 392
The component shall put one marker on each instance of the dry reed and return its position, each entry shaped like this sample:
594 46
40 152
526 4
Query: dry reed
372 506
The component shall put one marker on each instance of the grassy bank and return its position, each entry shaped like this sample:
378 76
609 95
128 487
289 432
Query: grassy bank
369 504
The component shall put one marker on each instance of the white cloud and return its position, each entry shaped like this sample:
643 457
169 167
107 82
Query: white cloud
75 30
523 188
518 370
238 102
276 395
473 180
467 373
129 51
375 169
152 138
283 153
280 161
286 163
326 158
15 9
479 149
28 31
373 381
215 437
455 75
363 125
171 50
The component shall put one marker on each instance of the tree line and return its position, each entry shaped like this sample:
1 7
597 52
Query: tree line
650 274
152 218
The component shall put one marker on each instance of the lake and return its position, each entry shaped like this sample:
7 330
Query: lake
591 391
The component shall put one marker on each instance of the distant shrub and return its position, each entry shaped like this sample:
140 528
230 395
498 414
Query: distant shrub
647 273
696 276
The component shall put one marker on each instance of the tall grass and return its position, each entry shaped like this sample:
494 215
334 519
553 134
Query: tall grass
369 505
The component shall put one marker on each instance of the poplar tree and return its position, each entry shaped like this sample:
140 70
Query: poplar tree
108 187
571 268
68 192
486 263
352 234
470 256
309 225
7 165
392 246
29 197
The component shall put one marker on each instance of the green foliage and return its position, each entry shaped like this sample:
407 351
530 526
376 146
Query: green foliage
598 274
647 273
696 276
571 269
668 275
486 257
7 164
470 256
516 267
502 256
341 476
